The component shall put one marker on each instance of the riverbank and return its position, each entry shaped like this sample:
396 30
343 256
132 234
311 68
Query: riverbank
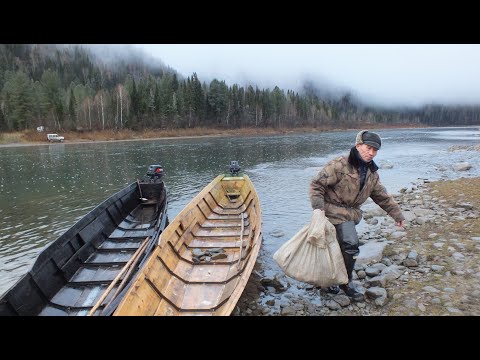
430 268
29 138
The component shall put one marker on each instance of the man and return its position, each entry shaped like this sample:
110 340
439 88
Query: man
341 187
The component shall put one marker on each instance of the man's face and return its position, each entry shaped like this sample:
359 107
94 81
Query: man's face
366 152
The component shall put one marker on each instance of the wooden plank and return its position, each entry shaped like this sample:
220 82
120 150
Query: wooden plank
217 273
188 218
183 270
159 275
210 201
215 216
168 257
165 309
228 290
206 211
175 291
226 223
185 238
202 296
142 299
220 232
214 243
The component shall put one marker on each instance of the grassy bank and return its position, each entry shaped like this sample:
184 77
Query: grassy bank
34 137
456 231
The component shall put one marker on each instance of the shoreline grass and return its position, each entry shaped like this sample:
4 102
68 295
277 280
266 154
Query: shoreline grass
32 137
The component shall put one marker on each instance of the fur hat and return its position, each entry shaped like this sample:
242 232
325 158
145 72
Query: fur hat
368 138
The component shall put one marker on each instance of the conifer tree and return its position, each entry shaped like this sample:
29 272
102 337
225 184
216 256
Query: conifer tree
72 105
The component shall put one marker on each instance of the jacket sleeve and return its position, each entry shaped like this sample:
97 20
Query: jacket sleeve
381 197
318 186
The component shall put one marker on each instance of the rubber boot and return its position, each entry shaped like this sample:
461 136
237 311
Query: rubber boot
348 240
334 289
350 289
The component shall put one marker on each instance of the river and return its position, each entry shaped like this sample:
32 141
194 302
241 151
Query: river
45 189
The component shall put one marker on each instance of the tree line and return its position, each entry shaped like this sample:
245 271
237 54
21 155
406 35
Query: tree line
70 88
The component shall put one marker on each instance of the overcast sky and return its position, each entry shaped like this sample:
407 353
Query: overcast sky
379 74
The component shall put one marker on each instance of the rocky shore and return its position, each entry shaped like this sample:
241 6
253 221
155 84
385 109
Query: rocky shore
432 267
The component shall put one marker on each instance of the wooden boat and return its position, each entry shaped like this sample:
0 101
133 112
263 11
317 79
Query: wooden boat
88 268
204 257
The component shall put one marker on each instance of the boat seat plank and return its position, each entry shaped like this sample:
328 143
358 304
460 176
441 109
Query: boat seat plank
124 225
85 274
226 217
138 220
92 294
67 296
53 311
218 210
220 232
121 243
139 233
226 223
214 243
202 296
110 257
217 273
83 296
117 233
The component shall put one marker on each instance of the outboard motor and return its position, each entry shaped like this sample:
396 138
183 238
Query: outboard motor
234 168
154 173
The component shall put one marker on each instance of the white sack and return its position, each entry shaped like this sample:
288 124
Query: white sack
313 254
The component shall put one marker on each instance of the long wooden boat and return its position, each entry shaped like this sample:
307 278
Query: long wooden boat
204 257
88 268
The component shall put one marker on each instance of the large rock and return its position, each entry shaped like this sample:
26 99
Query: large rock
462 166
371 252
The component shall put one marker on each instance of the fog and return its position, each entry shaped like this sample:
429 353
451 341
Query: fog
378 74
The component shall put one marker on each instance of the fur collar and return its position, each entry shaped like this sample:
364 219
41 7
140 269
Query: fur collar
355 160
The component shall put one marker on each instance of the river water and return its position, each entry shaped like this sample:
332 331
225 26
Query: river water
45 189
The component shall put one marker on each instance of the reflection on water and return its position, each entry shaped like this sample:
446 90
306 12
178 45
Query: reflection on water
46 189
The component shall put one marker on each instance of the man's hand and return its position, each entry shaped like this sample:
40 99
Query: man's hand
400 223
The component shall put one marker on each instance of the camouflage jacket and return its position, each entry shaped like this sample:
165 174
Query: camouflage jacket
336 189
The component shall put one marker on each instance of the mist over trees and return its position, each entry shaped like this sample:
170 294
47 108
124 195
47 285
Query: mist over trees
71 88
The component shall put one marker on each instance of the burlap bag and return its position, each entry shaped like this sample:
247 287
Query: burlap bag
313 255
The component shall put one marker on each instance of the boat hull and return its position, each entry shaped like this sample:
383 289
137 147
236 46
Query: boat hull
72 274
204 257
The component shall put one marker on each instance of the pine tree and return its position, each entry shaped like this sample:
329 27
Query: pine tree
3 123
72 105
18 90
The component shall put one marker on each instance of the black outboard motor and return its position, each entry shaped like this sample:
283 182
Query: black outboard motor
234 168
154 173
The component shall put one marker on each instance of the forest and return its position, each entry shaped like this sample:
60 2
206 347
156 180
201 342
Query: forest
69 88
